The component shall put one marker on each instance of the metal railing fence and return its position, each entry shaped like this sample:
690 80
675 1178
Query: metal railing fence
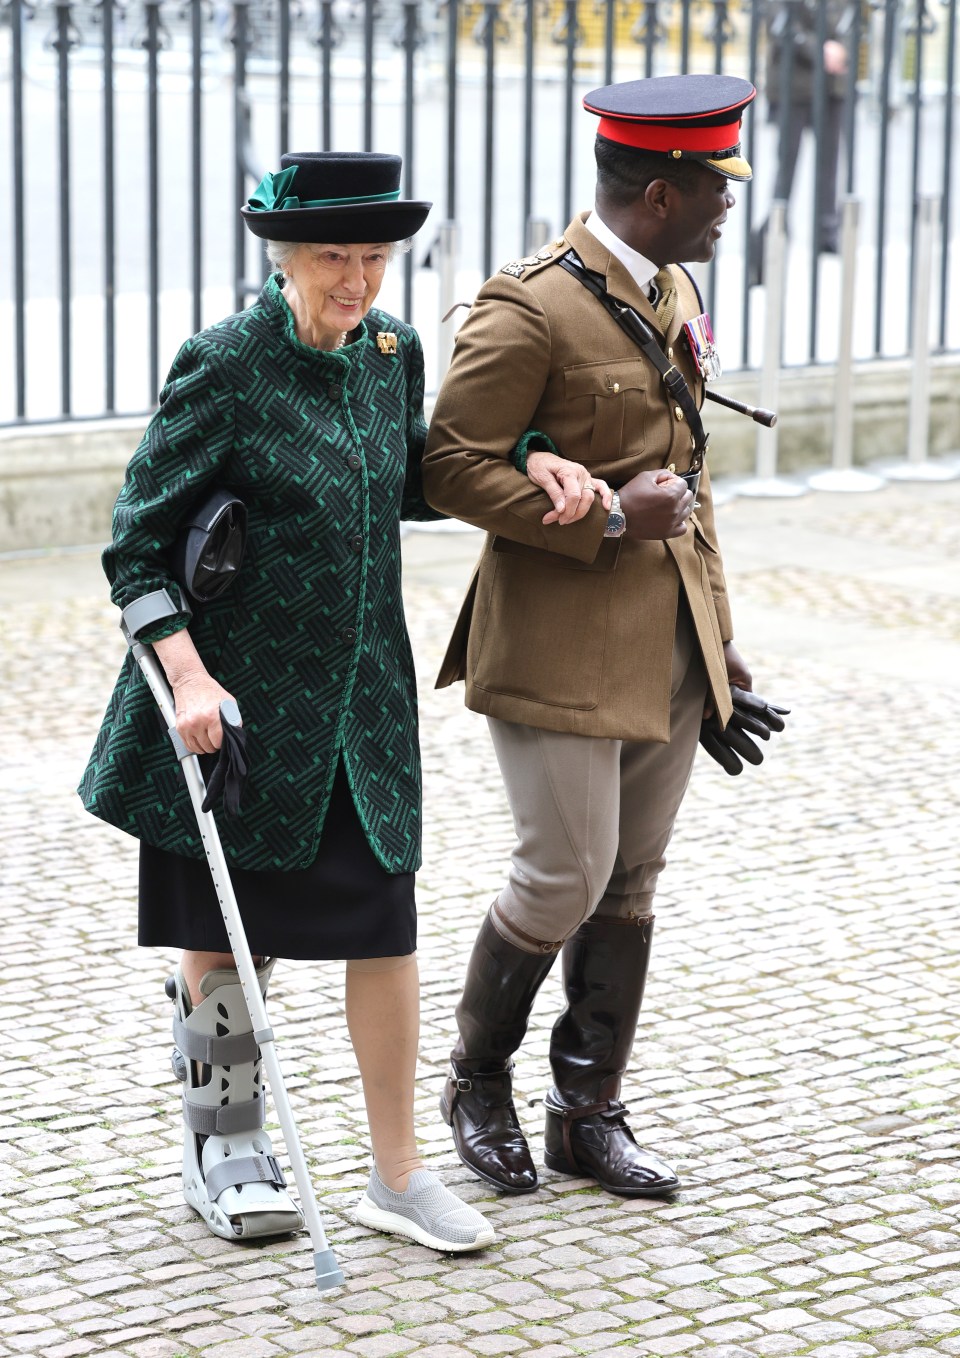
136 127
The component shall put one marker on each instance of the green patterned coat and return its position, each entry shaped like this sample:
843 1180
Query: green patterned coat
324 448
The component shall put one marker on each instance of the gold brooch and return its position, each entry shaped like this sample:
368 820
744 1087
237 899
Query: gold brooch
387 342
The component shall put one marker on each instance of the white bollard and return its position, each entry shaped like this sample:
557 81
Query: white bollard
766 482
446 253
842 475
536 235
447 250
918 466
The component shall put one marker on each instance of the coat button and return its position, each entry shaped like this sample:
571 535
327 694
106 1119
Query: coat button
357 543
334 391
354 463
348 635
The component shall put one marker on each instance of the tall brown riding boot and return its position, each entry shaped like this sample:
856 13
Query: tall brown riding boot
477 1100
604 971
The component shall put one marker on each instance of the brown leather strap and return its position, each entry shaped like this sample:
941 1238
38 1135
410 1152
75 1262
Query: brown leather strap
464 1084
633 921
540 944
569 1116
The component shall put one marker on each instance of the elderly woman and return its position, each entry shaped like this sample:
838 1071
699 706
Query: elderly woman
307 406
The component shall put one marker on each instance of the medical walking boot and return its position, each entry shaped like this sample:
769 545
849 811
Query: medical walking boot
477 1100
604 972
230 1176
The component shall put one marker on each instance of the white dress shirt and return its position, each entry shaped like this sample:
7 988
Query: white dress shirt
640 269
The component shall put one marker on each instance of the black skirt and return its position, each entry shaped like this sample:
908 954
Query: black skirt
344 905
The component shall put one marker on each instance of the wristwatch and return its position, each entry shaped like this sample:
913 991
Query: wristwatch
616 519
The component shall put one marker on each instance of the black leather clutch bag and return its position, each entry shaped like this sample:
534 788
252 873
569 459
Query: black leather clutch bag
206 556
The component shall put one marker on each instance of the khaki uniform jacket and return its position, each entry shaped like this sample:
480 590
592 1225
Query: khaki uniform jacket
563 629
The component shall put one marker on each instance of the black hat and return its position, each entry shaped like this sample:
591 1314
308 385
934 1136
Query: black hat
333 197
688 117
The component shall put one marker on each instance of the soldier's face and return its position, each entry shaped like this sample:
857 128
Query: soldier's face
697 216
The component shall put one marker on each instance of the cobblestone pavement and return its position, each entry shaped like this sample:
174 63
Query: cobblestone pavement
797 1055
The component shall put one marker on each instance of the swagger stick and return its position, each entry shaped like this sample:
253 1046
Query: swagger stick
756 413
325 1265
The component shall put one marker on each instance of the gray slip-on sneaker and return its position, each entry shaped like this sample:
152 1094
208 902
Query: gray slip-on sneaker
426 1212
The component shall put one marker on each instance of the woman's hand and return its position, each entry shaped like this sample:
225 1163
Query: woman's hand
197 701
570 486
196 694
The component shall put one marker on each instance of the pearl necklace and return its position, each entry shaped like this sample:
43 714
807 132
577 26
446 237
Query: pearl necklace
342 340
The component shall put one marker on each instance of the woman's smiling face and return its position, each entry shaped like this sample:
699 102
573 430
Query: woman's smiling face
336 285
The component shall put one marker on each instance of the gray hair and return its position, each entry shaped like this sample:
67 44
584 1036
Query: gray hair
280 252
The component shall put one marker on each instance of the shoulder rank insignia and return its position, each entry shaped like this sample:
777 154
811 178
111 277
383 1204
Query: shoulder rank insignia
386 342
515 270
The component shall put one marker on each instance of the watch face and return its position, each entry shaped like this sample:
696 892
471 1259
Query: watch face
616 523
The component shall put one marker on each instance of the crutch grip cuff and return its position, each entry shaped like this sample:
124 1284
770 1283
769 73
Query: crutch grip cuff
150 610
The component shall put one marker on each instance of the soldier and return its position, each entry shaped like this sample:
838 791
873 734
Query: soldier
593 648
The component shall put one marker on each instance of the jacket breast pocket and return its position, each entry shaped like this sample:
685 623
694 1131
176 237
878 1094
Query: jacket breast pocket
613 396
545 628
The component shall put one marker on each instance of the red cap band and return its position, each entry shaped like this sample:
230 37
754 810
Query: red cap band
645 136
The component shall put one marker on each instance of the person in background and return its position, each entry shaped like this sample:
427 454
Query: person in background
793 53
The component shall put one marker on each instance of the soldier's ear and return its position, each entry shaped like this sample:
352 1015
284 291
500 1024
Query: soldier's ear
657 196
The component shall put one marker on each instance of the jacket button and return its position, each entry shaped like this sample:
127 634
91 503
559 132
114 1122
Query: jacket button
334 391
357 543
354 463
348 635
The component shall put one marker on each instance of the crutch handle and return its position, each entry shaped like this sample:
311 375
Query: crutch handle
230 712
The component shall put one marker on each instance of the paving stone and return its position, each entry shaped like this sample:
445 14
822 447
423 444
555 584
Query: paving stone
796 1060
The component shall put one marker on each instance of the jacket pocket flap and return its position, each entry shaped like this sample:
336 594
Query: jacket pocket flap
604 379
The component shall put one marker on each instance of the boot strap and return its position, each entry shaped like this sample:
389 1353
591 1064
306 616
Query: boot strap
540 944
584 1110
214 1051
224 1119
570 1116
464 1084
244 1169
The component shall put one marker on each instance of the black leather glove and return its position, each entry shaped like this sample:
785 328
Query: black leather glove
230 772
752 716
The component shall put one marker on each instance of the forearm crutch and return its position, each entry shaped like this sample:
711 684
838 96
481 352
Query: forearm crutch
327 1270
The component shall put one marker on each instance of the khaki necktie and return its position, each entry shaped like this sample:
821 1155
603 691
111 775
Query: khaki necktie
666 299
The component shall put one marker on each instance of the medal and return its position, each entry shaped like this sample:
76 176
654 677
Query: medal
703 346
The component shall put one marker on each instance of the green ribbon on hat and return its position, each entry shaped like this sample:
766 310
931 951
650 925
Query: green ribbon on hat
272 194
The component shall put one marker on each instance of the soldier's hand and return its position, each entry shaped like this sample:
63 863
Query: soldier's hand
571 488
656 505
733 744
